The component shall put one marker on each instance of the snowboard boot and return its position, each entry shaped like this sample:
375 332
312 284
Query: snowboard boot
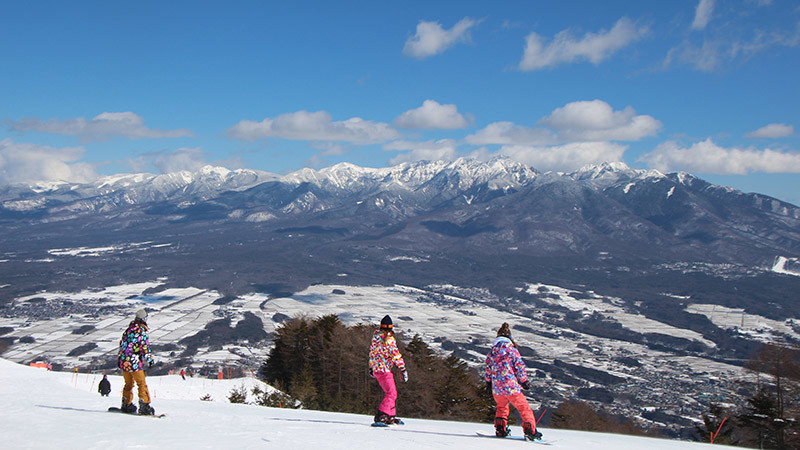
501 427
530 433
128 408
382 417
145 409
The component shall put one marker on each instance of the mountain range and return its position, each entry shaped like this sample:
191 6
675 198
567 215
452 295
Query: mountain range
491 224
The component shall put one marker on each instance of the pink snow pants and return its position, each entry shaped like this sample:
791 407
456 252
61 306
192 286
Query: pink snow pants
386 380
519 402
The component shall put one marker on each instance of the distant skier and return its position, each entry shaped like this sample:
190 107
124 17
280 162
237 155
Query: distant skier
104 388
134 353
183 374
383 354
505 370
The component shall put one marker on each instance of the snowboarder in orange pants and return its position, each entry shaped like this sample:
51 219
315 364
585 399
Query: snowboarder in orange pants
506 372
134 353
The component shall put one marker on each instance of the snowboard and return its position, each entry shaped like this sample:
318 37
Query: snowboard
386 425
114 409
517 438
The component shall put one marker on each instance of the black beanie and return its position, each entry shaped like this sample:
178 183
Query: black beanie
386 323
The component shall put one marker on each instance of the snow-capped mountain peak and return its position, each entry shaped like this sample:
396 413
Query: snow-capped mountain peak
498 172
47 186
609 173
209 170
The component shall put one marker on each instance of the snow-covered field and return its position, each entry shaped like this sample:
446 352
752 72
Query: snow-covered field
755 326
178 313
43 409
614 308
100 251
780 265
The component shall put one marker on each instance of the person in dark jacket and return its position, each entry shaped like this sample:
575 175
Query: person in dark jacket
104 388
134 356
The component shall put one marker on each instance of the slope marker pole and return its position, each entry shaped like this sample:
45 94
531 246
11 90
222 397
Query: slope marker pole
714 436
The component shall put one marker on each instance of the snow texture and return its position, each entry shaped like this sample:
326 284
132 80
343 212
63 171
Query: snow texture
43 409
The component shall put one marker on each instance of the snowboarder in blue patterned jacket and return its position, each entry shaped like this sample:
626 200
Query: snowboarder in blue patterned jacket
506 372
133 355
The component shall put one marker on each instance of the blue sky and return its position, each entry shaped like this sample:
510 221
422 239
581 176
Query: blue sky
708 87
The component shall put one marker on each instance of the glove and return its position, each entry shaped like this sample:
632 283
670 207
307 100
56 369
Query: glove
404 373
370 373
526 385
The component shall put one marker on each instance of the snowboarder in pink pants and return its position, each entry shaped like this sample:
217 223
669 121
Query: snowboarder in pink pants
383 354
505 371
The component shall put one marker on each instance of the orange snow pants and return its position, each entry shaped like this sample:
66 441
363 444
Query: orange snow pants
127 391
519 402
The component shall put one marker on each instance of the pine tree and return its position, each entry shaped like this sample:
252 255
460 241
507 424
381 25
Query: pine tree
303 388
713 426
759 419
770 417
238 395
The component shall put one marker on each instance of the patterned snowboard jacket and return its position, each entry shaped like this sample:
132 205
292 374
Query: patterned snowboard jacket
134 348
384 354
505 368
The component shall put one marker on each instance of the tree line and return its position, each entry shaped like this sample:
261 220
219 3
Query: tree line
324 364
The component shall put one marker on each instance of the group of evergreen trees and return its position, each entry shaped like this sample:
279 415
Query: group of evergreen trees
771 417
324 364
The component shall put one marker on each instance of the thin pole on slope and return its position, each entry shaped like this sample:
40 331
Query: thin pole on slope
714 436
540 417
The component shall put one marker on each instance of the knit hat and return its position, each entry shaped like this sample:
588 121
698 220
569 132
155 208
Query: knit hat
504 330
141 315
386 323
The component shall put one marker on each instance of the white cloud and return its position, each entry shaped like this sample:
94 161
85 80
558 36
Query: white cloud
567 157
432 115
431 39
702 14
708 157
593 120
168 161
313 126
508 133
596 120
327 149
735 40
762 40
440 150
102 127
185 158
191 159
567 48
705 58
773 130
25 163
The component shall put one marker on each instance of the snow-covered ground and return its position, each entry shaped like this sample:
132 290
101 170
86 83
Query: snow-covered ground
753 325
613 308
43 409
100 251
780 265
